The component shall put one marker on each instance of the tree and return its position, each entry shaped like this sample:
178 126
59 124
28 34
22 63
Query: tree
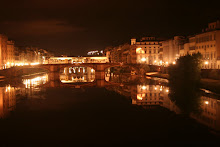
184 82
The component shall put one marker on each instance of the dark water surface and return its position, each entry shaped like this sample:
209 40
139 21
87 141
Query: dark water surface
135 114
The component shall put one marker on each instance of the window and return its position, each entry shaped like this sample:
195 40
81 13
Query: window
149 51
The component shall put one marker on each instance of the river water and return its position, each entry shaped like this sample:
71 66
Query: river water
123 110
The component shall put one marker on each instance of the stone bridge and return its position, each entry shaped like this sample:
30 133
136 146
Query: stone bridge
54 69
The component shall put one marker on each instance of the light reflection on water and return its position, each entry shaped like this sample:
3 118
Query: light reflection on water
36 81
147 95
153 95
77 75
30 89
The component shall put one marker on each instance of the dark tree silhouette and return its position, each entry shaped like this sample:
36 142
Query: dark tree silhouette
184 82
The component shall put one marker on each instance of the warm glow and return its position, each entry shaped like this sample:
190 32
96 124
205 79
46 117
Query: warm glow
167 63
8 88
161 88
34 63
144 87
167 90
138 49
139 97
155 88
143 59
207 102
35 81
174 62
161 62
206 62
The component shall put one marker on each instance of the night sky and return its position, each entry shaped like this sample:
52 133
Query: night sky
73 27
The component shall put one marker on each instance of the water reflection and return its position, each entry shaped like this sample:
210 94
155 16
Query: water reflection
157 95
10 95
35 81
7 100
77 75
143 92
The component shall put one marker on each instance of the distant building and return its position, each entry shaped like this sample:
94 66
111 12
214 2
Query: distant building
147 50
10 53
207 43
6 52
171 49
31 55
122 53
95 53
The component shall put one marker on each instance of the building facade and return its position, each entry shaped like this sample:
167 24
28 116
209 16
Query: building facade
6 52
147 50
171 49
208 44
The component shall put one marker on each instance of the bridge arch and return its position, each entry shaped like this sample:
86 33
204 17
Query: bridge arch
76 73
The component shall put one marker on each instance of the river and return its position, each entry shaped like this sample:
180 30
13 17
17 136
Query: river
123 110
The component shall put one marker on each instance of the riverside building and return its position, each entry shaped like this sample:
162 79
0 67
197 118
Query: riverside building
208 44
6 52
147 50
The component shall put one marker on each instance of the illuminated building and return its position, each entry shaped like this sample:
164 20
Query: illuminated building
6 52
171 49
147 50
31 55
208 44
123 53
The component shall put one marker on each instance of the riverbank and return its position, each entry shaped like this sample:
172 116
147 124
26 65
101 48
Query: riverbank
209 84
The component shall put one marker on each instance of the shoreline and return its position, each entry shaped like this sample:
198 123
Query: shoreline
207 84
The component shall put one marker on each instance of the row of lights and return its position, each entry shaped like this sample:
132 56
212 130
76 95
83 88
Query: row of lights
8 65
161 88
160 62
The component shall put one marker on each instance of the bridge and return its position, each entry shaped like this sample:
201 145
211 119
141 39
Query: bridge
54 69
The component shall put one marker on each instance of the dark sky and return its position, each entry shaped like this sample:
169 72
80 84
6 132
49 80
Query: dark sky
74 27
